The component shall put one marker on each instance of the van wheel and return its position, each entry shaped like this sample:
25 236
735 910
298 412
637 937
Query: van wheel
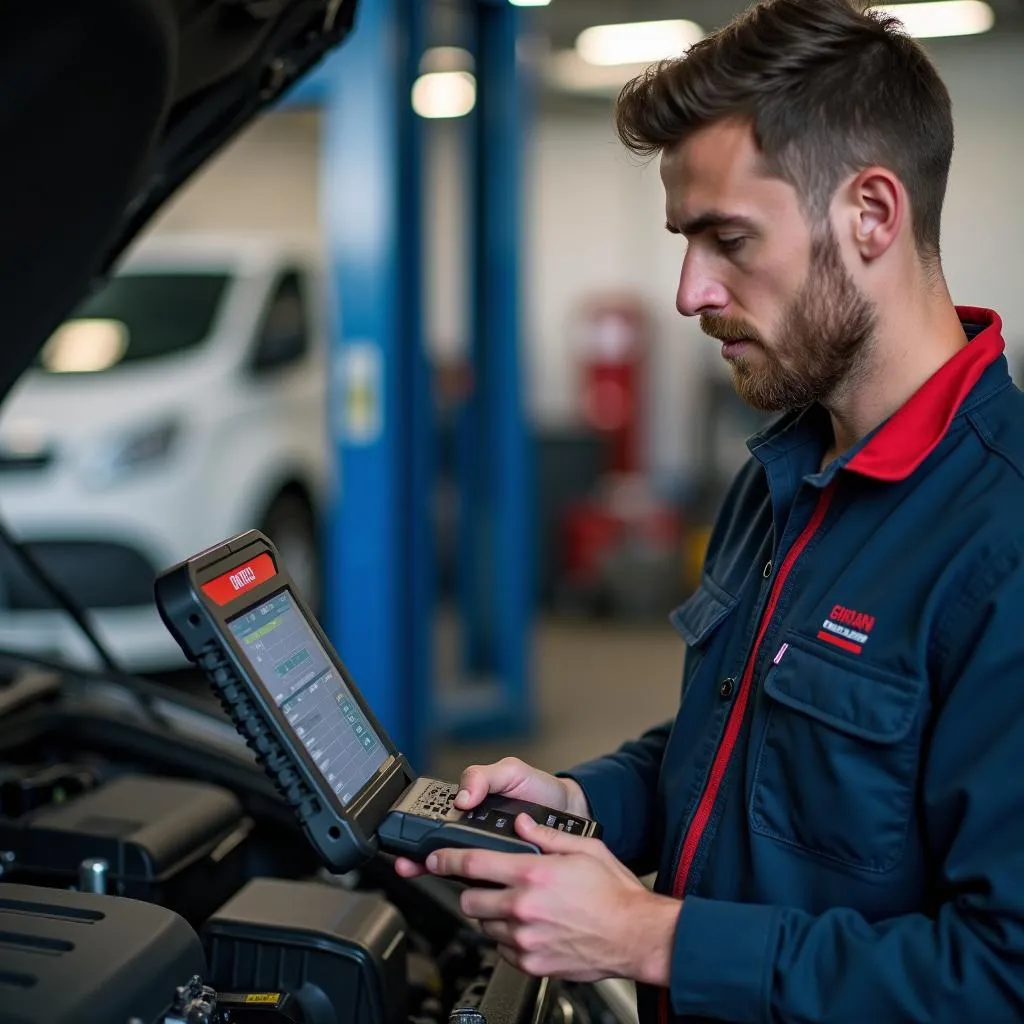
291 525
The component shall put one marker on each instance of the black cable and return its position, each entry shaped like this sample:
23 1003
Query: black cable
56 590
142 687
135 686
59 594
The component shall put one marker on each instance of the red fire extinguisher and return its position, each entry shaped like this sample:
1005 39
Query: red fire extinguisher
612 343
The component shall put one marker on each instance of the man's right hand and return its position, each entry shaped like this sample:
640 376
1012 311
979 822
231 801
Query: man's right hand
513 778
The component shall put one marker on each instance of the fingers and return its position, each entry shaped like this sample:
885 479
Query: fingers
479 780
408 868
528 963
491 904
550 840
500 931
521 947
473 787
480 865
509 953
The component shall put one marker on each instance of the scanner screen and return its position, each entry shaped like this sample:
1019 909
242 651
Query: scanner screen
296 672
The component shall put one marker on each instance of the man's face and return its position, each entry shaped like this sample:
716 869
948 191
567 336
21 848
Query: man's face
793 323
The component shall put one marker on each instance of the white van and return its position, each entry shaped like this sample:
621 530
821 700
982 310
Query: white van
183 403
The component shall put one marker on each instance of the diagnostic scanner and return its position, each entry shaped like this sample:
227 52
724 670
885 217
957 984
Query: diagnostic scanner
237 615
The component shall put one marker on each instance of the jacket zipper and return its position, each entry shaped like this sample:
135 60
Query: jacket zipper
723 755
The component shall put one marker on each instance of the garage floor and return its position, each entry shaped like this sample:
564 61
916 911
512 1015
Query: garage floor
598 683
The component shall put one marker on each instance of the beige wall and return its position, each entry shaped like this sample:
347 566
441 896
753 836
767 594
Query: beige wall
594 221
598 223
265 181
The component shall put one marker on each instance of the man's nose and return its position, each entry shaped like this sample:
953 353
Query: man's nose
699 292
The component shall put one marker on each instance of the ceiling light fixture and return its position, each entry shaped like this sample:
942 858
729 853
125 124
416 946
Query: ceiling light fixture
935 18
642 42
444 94
566 71
529 3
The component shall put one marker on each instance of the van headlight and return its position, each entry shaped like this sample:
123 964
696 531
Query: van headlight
121 456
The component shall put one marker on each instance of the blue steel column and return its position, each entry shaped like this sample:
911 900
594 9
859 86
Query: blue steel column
421 438
378 561
496 546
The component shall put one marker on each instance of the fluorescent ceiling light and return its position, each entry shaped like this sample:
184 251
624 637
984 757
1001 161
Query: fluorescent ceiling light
529 3
642 42
441 94
566 71
942 18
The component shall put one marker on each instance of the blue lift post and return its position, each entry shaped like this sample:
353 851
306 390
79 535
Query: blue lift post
380 551
496 549
380 570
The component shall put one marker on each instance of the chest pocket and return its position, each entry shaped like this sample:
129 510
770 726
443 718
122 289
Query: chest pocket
698 619
837 766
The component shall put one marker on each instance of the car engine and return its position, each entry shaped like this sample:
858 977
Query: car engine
149 874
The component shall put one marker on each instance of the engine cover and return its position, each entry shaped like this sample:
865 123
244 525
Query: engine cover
69 957
168 841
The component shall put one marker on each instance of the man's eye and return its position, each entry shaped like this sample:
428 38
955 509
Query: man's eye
731 245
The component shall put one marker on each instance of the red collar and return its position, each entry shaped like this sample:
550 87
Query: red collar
910 435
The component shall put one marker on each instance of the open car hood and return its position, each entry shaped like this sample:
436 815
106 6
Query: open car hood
106 108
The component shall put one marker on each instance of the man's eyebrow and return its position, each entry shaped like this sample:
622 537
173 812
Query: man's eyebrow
709 221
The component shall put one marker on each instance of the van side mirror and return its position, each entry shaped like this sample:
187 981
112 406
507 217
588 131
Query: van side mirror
278 350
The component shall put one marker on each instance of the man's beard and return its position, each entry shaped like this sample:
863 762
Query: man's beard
819 344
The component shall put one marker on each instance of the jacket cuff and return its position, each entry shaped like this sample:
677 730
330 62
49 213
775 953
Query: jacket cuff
722 960
618 801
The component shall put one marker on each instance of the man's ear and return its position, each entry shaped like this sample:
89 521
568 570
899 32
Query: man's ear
874 203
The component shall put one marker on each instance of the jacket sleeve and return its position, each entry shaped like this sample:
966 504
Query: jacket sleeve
622 790
965 960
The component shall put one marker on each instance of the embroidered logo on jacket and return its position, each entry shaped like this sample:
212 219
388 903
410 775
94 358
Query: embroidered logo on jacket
847 629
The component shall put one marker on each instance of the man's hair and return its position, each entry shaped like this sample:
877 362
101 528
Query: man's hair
829 89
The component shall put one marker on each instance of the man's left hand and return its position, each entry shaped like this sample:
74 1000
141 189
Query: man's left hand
575 913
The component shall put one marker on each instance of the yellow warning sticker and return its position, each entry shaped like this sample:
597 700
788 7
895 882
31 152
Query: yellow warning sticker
263 997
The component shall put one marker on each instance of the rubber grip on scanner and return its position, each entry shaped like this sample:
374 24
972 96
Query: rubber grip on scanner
250 722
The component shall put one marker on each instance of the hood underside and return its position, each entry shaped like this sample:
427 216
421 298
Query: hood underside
106 108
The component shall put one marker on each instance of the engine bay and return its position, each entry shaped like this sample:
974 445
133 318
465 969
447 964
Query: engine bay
149 872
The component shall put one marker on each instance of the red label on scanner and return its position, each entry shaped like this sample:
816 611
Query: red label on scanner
224 589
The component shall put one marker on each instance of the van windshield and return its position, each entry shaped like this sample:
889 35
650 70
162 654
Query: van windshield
136 317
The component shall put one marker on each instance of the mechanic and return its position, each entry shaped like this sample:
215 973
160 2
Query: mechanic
837 812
